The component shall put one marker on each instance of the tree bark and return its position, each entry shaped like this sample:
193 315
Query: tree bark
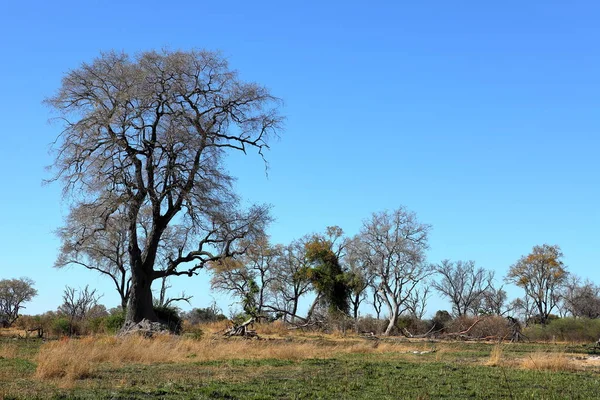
391 324
140 299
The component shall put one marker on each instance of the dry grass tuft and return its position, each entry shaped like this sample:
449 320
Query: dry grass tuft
8 350
548 362
496 356
278 328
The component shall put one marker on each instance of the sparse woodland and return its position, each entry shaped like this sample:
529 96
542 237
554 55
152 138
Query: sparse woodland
140 159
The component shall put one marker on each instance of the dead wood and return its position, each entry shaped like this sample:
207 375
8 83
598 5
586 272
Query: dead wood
242 330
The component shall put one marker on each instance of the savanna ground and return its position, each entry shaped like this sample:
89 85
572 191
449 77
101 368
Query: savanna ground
292 365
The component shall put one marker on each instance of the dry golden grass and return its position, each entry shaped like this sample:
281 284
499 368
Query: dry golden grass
278 328
11 332
75 359
548 362
496 356
8 350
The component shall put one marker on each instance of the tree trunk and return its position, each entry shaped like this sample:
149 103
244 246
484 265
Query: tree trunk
392 323
294 310
140 298
394 312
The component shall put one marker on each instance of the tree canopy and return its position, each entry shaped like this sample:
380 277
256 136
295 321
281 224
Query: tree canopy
146 136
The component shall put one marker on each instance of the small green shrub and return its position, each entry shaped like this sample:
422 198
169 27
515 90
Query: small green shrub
61 326
114 321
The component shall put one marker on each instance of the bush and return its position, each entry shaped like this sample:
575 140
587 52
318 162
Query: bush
371 324
60 326
192 331
413 325
565 330
442 319
170 317
114 321
488 326
202 315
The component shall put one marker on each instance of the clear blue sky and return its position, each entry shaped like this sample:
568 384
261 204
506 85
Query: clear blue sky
482 117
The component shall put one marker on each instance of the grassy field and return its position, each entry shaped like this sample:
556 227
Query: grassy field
298 366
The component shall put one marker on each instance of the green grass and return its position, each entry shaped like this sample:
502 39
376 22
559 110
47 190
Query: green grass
457 373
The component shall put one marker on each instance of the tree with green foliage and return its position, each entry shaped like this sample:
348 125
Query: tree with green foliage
13 293
329 280
541 274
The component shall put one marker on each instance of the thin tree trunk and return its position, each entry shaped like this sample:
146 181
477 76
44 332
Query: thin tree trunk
391 324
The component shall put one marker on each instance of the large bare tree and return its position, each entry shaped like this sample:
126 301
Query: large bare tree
462 283
149 133
396 242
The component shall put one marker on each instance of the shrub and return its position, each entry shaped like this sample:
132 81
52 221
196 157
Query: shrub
170 317
60 326
192 331
114 321
202 315
565 330
371 324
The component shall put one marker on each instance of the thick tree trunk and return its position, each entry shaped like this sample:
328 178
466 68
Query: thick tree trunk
140 298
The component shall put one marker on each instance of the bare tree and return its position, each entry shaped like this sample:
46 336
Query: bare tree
541 274
416 304
291 280
77 304
581 299
13 293
396 244
359 273
99 244
163 300
493 301
462 284
150 133
250 277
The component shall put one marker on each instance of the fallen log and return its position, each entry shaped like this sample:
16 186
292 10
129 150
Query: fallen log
242 330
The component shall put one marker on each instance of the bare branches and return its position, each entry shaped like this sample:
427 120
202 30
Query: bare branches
144 137
395 243
463 284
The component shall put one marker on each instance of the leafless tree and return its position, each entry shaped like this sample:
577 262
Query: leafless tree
376 300
493 301
77 304
150 133
396 244
462 284
581 299
165 301
13 293
359 272
416 304
250 277
541 274
291 281
99 244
